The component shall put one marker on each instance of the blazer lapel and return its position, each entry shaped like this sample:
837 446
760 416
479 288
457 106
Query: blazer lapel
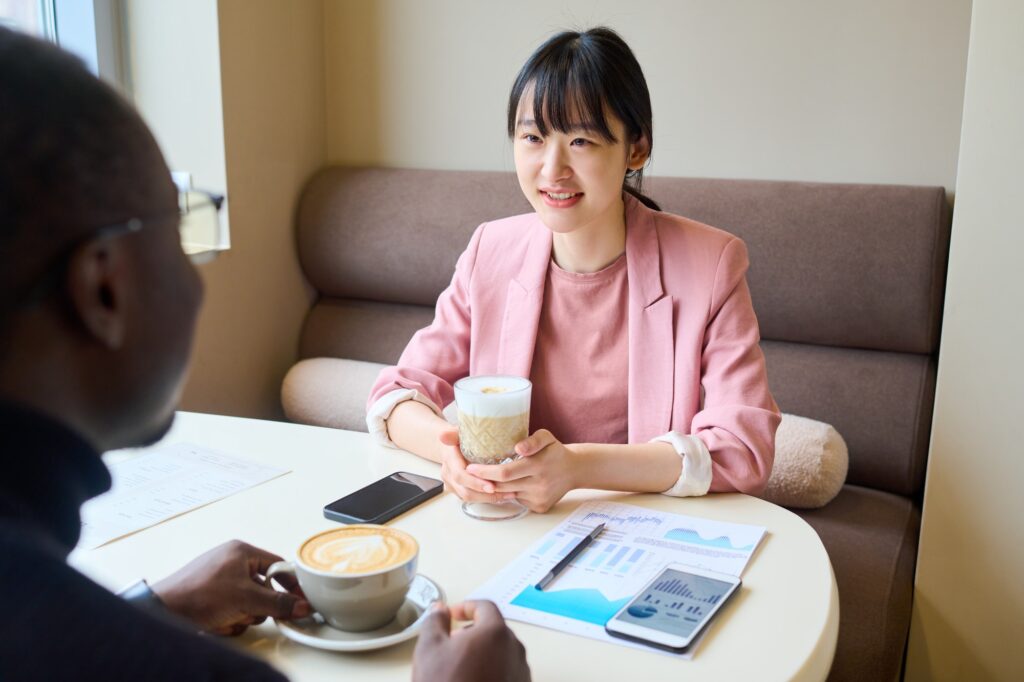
523 304
651 330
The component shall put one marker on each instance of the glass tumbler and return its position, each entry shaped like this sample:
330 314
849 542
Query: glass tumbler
494 415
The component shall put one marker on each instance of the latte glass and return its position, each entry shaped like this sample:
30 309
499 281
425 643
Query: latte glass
494 415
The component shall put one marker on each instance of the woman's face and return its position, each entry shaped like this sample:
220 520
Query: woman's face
573 180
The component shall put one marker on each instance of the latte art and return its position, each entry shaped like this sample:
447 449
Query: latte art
357 550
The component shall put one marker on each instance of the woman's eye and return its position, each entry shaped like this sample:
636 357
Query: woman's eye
532 139
580 142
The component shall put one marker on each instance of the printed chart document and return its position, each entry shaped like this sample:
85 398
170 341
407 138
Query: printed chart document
635 545
163 483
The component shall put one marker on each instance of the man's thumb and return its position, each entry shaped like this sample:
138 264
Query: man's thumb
438 625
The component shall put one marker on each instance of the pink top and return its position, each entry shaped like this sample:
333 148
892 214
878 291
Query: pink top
580 369
694 364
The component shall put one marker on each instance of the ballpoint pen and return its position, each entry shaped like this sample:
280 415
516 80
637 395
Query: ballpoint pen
560 566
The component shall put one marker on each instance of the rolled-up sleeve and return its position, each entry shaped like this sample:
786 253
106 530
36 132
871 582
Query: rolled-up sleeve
436 356
738 417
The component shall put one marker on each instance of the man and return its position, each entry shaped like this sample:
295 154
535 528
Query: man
97 310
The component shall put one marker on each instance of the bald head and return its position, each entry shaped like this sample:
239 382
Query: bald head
75 156
95 324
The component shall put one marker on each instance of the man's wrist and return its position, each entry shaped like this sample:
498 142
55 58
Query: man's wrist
142 595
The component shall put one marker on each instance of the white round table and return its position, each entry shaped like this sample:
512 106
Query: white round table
782 625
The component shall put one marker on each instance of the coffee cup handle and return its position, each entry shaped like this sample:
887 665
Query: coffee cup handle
277 568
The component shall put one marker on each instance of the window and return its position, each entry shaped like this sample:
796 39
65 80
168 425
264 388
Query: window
31 17
99 32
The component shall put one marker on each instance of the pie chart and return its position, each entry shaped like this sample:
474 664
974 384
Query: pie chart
641 611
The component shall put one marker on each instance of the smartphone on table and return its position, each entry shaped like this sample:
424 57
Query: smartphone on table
673 608
384 499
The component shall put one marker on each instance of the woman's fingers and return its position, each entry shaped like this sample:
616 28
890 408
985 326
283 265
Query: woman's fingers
535 443
462 483
501 473
453 462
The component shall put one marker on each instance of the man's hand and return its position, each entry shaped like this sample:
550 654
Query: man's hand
486 652
223 591
546 472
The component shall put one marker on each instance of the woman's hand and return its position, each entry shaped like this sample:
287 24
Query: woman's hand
456 478
546 472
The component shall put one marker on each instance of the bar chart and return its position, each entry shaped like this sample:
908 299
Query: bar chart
682 589
605 556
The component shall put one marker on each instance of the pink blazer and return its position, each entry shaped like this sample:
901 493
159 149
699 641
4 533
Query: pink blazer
691 325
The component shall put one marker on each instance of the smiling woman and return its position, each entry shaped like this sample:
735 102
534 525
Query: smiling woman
586 94
635 326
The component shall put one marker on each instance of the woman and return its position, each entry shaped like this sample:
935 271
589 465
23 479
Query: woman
635 326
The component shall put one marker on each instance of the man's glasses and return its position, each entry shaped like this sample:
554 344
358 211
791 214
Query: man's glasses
198 222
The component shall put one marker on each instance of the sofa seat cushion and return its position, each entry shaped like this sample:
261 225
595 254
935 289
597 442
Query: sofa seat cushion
871 538
329 392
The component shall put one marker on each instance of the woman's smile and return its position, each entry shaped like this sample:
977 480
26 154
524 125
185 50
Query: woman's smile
561 199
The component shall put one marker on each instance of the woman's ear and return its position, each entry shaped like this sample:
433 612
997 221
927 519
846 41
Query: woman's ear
96 281
638 153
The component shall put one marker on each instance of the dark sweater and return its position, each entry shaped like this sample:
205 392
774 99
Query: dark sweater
55 623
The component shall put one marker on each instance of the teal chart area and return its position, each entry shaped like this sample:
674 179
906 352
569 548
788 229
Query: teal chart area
692 537
589 606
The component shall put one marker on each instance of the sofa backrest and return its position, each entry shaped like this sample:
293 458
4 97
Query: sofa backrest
847 283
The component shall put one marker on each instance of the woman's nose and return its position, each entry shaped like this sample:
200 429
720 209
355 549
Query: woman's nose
556 166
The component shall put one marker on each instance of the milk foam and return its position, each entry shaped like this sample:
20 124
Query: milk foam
357 552
493 396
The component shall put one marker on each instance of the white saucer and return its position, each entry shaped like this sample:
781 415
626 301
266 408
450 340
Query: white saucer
314 632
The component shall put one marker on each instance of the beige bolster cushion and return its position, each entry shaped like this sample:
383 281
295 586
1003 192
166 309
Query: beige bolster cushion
329 392
810 467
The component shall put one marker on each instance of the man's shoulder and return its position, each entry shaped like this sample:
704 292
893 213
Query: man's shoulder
59 624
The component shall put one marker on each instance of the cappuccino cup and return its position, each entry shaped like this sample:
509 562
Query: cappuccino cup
356 577
494 415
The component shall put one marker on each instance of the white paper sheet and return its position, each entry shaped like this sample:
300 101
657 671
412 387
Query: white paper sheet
637 543
163 483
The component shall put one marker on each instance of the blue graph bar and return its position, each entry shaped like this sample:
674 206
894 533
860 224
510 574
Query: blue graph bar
636 555
586 554
568 547
602 555
622 553
546 546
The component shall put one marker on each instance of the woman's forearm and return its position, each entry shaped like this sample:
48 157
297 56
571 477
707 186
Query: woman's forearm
640 468
414 427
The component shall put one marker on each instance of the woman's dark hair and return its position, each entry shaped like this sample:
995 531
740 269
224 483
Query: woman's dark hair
574 77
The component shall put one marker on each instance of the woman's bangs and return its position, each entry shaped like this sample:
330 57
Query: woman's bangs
569 100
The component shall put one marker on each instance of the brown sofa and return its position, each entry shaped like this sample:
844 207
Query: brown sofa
847 281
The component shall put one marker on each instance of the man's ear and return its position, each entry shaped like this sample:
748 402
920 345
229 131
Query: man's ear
97 283
639 151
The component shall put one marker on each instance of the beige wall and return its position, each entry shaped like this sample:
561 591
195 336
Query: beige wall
969 599
254 125
271 56
173 73
790 89
869 92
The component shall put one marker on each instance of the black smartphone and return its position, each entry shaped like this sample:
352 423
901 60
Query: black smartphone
385 499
